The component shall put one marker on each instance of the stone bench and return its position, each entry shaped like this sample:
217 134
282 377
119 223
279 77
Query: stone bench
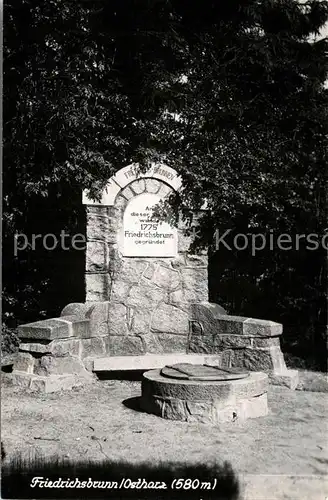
250 343
149 361
63 352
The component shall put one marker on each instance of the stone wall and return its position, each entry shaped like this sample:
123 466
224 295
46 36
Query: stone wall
141 305
253 344
60 353
149 297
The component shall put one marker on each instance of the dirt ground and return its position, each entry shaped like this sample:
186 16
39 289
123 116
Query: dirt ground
281 456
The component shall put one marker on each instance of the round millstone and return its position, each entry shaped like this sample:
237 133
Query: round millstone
189 371
209 402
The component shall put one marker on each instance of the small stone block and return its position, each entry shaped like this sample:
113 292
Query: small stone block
125 345
47 329
80 327
261 328
88 363
173 343
201 412
18 379
98 314
288 378
170 319
264 359
94 346
254 407
66 365
78 309
231 341
260 342
208 310
200 344
138 186
53 383
127 193
64 347
174 409
151 343
58 347
213 360
225 414
97 286
24 362
35 347
96 256
152 185
229 325
97 227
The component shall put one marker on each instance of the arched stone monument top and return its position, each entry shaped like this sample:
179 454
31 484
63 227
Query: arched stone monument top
130 173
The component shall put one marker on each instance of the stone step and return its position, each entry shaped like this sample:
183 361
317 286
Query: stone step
150 361
36 383
55 328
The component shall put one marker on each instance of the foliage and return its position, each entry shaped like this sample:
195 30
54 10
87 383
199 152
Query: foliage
229 93
9 340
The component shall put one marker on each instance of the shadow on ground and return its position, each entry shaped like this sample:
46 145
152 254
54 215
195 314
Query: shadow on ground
54 478
132 375
133 404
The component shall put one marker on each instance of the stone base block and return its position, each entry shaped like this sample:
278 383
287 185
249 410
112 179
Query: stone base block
67 365
206 412
287 378
53 383
55 328
97 286
24 362
57 348
207 402
94 346
241 410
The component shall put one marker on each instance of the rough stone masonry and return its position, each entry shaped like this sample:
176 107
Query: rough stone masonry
149 297
146 295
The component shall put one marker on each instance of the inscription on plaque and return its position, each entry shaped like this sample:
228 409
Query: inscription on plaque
143 234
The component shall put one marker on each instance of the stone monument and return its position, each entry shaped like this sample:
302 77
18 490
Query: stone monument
146 300
140 266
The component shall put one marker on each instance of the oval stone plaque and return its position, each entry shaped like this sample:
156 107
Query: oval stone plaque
143 235
187 371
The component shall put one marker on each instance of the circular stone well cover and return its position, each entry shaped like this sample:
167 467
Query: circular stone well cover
188 371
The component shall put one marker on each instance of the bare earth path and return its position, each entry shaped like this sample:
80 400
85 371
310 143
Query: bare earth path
281 456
